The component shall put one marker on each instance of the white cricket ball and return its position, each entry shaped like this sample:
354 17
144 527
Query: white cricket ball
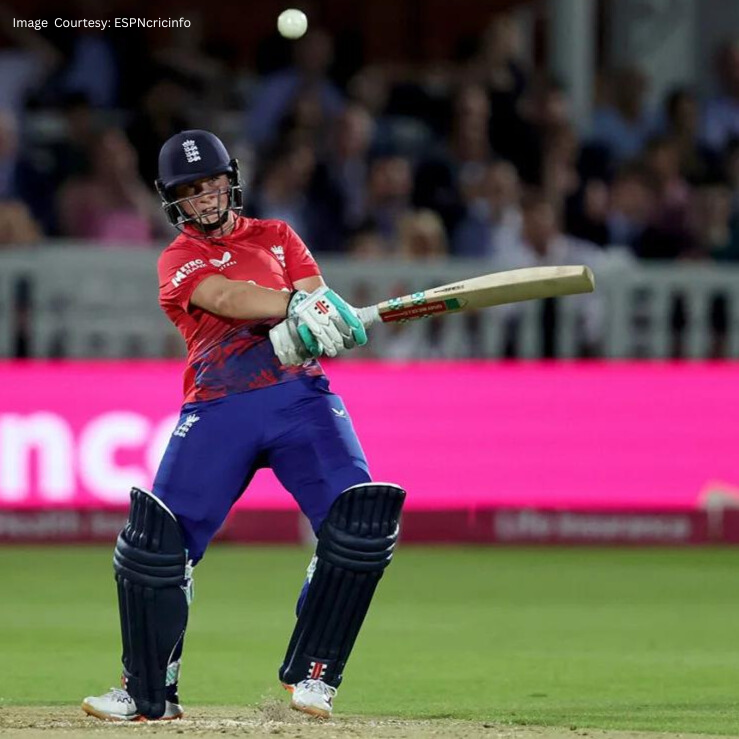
292 23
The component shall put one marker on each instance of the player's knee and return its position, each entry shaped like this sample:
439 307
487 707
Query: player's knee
150 551
361 529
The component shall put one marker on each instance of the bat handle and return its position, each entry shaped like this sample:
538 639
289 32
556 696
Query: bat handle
369 316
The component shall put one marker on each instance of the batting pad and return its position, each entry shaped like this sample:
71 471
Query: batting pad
150 569
355 544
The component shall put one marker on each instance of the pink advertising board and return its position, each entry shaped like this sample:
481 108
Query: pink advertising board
587 436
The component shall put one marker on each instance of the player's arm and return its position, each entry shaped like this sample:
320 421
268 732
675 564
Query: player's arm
309 284
239 299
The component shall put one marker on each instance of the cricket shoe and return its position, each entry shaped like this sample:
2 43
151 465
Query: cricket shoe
313 697
117 705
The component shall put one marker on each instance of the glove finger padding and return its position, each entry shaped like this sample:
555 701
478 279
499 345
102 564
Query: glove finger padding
327 336
351 319
309 341
303 332
332 339
288 343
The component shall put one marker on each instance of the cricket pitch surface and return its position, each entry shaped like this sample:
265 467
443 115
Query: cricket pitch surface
273 718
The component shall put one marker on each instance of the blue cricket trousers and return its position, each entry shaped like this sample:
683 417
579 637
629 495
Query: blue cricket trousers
300 429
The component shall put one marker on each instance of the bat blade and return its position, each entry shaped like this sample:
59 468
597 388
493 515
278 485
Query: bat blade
485 291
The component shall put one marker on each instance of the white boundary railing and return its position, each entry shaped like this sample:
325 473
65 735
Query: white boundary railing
101 302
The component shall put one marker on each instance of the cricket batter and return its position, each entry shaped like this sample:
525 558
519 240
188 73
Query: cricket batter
249 300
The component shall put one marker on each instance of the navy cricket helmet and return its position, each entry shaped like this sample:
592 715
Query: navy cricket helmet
189 156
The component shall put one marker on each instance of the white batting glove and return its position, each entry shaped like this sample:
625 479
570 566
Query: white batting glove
289 347
326 318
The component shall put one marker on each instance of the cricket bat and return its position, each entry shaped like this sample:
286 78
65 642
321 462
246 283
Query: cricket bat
496 288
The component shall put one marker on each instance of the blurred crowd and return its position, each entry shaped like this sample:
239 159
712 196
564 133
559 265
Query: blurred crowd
477 156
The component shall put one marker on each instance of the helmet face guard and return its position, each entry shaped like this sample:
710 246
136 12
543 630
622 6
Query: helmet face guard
178 216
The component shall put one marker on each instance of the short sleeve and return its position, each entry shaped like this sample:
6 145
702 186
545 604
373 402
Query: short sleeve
298 259
180 272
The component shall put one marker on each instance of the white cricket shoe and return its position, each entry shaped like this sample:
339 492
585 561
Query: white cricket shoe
117 705
313 697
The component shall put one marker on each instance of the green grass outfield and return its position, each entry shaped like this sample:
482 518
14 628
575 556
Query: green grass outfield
616 639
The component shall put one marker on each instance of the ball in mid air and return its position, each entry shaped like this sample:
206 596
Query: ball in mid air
292 23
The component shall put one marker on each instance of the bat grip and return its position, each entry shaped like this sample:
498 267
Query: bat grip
369 316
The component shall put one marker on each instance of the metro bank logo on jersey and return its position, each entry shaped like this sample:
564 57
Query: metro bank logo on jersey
187 269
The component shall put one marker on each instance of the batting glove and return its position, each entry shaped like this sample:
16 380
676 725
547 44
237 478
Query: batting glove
326 318
287 342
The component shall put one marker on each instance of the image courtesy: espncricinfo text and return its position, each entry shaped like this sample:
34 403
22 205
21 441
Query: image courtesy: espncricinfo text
102 25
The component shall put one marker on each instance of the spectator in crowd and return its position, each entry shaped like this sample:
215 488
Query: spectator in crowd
422 236
560 179
682 122
670 231
539 242
616 215
17 226
716 238
501 72
730 172
389 191
277 92
305 121
451 177
45 166
185 58
161 114
9 156
289 188
495 211
716 228
622 125
366 243
91 65
281 191
71 154
20 179
26 60
543 111
370 88
112 203
721 114
347 162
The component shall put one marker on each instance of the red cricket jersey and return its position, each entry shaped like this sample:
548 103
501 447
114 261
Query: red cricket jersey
231 355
